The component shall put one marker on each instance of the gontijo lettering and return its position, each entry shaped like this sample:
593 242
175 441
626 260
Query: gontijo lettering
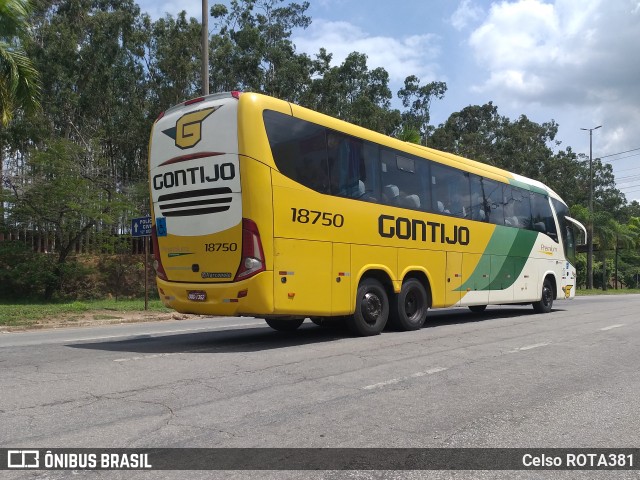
411 228
193 176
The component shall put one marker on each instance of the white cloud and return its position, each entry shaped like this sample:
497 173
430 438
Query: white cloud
466 13
573 58
400 57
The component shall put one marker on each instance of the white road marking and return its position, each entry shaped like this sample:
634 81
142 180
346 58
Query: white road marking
158 355
611 327
529 347
393 381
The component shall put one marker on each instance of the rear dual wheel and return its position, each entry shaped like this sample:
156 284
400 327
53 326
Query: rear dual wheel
409 308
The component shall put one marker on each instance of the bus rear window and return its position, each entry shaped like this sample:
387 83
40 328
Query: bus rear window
322 159
299 150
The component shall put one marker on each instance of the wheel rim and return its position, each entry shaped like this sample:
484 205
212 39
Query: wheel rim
371 307
411 304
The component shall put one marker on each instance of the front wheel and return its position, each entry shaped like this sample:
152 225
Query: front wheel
372 309
409 307
283 325
546 300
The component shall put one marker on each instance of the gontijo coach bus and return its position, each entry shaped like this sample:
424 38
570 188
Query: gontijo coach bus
264 208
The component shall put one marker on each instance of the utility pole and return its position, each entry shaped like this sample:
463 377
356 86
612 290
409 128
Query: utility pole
205 47
590 239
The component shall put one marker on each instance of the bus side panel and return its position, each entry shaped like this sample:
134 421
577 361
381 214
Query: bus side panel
502 277
302 277
525 288
431 263
367 257
476 268
342 300
453 278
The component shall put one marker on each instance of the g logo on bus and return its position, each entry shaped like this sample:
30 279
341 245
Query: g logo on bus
188 130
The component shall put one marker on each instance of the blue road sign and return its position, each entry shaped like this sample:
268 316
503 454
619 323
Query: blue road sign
141 227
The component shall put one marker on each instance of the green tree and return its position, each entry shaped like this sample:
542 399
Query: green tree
352 92
90 53
409 135
418 99
172 58
252 50
527 148
67 189
19 79
471 132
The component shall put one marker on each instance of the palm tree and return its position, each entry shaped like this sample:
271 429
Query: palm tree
19 80
408 134
626 237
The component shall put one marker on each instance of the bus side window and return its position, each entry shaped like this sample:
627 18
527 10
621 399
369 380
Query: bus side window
450 191
479 210
517 208
345 158
542 216
370 173
460 195
494 200
522 207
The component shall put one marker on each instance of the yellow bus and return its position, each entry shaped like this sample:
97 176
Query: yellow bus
264 208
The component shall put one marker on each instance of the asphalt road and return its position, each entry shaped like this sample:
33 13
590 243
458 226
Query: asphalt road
505 378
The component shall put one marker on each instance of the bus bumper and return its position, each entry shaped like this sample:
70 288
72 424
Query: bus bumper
247 297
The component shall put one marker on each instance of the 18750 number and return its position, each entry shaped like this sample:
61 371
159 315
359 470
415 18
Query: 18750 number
221 247
327 219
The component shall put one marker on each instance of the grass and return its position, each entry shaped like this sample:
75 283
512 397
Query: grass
611 291
24 314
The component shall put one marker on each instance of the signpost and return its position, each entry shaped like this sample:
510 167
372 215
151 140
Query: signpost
141 227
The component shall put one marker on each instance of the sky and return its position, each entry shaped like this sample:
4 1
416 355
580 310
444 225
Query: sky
573 61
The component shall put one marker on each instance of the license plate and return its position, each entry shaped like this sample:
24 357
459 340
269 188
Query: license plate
196 295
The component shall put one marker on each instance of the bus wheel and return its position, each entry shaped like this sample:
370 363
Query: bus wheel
372 309
546 301
283 325
409 307
477 308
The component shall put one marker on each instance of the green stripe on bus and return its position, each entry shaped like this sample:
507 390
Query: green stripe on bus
504 269
526 186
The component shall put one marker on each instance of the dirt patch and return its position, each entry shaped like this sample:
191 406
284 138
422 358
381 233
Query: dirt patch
98 317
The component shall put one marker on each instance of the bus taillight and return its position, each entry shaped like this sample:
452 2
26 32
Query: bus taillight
252 261
157 261
194 100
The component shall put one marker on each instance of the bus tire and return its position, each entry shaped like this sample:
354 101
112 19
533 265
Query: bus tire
283 325
372 309
409 308
546 299
477 308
